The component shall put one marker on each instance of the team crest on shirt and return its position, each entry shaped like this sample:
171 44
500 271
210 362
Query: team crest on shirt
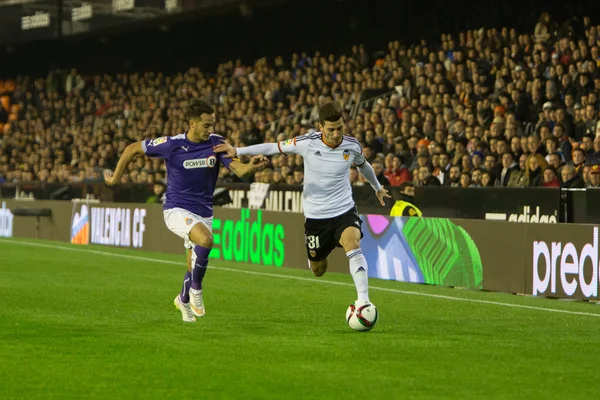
188 221
346 155
313 253
159 140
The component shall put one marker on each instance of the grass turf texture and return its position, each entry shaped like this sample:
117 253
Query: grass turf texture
84 325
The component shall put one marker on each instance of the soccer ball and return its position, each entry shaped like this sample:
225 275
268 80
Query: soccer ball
362 318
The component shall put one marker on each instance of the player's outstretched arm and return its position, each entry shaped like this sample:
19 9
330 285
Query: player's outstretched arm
266 149
245 170
112 178
369 173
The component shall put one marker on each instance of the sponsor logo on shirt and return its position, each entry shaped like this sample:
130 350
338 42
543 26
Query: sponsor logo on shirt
158 141
346 155
209 162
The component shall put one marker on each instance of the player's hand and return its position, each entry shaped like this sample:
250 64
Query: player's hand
382 194
259 162
225 147
109 178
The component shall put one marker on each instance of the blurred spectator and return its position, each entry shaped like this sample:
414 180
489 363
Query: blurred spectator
509 165
298 178
380 172
397 173
405 205
267 176
595 156
465 180
518 178
578 161
453 178
551 177
448 113
476 176
570 178
488 179
354 177
594 177
536 164
159 192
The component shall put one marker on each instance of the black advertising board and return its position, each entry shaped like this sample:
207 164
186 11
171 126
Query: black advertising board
540 205
536 205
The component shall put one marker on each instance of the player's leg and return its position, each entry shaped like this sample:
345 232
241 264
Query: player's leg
318 268
184 296
173 220
201 236
350 241
319 243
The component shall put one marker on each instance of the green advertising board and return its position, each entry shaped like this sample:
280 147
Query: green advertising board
248 238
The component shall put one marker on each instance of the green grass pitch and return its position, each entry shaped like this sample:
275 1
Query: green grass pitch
84 324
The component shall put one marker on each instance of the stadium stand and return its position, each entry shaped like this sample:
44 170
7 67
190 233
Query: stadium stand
486 107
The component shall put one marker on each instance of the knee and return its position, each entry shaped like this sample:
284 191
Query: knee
351 244
206 241
318 269
318 272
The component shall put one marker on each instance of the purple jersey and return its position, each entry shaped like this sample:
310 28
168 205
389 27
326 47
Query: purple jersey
192 171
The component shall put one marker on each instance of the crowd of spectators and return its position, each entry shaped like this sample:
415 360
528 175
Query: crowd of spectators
484 108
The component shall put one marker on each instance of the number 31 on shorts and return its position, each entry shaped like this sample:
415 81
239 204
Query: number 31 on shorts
313 242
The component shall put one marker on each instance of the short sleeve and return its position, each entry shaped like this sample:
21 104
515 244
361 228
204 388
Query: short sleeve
160 147
297 145
359 158
225 161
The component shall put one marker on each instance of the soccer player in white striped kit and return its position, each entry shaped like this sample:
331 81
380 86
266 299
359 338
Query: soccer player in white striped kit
331 216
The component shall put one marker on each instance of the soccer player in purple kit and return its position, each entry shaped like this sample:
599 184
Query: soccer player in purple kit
192 172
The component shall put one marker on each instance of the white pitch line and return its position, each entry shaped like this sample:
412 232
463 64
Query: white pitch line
299 278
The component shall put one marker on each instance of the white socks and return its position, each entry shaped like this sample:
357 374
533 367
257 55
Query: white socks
360 273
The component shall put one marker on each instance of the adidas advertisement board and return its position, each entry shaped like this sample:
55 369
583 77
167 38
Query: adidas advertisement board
530 205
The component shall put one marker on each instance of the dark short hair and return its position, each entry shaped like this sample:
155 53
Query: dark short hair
198 107
405 185
554 140
330 112
555 153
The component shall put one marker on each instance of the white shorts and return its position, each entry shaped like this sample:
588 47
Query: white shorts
181 222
